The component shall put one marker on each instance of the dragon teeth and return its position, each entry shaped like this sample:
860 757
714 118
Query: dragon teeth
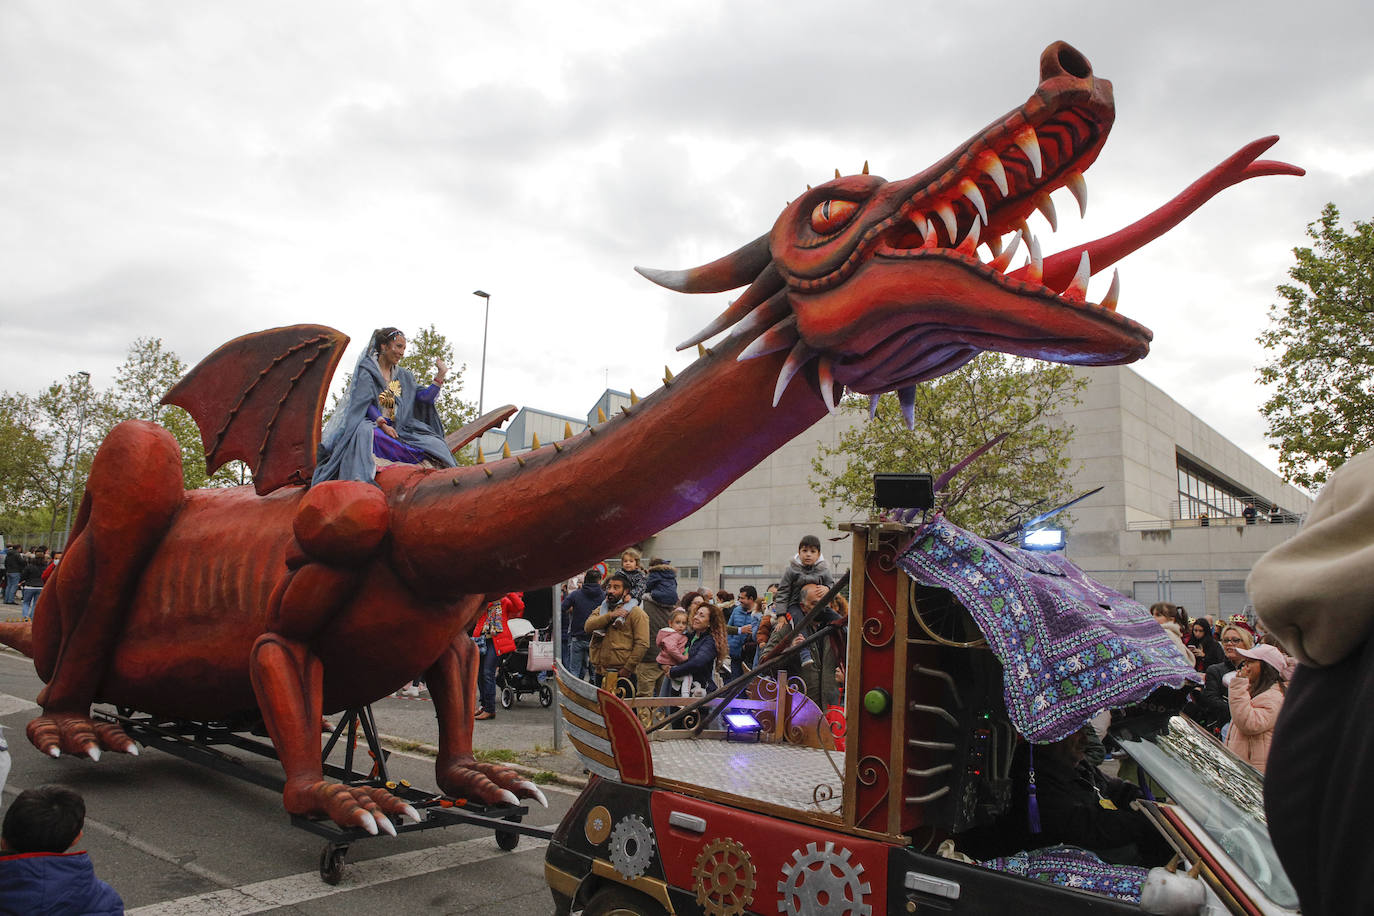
991 166
799 357
994 245
928 237
906 399
825 374
1077 290
946 213
1004 259
970 190
1113 293
1046 206
1030 145
1035 267
1078 187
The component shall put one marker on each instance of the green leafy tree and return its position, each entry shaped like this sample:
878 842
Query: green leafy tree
49 454
956 414
1321 343
422 354
148 372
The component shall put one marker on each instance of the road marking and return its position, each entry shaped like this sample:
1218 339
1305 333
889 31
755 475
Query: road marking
306 886
10 704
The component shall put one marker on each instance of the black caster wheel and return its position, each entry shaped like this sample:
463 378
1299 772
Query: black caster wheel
332 862
506 839
545 696
507 697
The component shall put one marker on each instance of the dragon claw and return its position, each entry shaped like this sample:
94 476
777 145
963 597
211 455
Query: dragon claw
367 822
490 783
370 808
410 812
71 733
533 792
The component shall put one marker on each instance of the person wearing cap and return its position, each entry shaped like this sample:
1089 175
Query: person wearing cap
619 631
1255 692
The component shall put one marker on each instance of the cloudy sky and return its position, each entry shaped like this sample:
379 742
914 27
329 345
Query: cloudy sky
194 171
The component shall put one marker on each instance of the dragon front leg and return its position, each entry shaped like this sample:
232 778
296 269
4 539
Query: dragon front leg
81 615
453 687
288 680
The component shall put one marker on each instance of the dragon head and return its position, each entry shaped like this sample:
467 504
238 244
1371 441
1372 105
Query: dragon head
884 284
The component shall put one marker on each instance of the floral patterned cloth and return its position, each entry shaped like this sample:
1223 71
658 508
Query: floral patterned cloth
1070 647
1069 866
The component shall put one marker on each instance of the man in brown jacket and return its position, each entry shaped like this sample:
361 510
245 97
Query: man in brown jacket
619 630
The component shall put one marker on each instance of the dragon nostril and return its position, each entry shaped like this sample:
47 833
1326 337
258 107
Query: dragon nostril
1062 59
1075 64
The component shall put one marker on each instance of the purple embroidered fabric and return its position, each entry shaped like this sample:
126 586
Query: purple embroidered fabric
1069 866
1070 647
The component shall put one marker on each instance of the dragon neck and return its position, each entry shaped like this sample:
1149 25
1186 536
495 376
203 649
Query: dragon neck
523 522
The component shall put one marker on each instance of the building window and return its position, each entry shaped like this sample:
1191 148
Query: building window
1199 491
688 573
742 570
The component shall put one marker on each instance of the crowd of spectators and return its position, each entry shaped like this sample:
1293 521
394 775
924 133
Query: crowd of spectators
639 627
1245 674
25 573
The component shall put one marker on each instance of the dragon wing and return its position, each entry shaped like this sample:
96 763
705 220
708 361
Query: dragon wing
259 398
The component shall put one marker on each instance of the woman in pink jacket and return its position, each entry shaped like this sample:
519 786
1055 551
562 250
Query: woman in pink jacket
1256 696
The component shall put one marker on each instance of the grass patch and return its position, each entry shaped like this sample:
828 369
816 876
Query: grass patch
544 776
413 747
497 755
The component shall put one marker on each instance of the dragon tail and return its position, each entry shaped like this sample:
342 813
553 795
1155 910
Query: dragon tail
18 636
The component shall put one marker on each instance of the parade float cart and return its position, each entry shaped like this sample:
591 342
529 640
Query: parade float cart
706 820
209 744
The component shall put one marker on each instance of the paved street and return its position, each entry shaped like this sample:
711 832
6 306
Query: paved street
176 838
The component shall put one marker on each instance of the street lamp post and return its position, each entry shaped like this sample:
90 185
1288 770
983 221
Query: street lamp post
482 384
80 433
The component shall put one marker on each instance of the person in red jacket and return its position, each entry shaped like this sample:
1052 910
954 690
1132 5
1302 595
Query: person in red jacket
494 640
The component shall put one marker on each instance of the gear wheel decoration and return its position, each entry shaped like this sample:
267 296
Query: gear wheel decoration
724 878
632 846
823 882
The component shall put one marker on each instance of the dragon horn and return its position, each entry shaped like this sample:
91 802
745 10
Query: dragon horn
734 270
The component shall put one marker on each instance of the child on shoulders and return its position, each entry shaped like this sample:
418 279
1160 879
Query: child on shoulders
672 650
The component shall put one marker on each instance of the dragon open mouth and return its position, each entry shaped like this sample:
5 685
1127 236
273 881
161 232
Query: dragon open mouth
885 284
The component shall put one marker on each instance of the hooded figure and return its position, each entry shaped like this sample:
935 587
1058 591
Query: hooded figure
1315 593
353 439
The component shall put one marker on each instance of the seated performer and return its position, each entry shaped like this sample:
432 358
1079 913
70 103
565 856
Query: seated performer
383 415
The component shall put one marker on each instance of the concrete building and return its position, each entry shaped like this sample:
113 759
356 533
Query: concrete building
1161 469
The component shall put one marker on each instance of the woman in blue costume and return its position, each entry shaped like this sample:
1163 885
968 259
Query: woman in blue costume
384 415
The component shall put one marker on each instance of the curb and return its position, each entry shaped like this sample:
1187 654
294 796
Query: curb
429 750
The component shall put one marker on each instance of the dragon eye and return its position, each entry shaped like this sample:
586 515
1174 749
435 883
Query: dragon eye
830 215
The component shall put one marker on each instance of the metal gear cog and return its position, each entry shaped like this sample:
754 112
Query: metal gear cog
724 878
632 846
823 882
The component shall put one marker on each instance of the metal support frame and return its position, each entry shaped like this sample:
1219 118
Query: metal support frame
197 742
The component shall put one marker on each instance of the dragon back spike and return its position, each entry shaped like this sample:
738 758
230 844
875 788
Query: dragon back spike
734 270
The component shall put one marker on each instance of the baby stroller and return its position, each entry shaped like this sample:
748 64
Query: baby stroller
513 676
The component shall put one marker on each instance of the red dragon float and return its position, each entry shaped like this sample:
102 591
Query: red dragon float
293 601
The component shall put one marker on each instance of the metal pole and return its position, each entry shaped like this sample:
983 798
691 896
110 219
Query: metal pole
557 660
80 432
482 384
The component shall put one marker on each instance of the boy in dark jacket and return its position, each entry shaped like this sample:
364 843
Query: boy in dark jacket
806 568
37 874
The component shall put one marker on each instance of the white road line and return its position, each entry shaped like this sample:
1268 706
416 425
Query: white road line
11 704
296 889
